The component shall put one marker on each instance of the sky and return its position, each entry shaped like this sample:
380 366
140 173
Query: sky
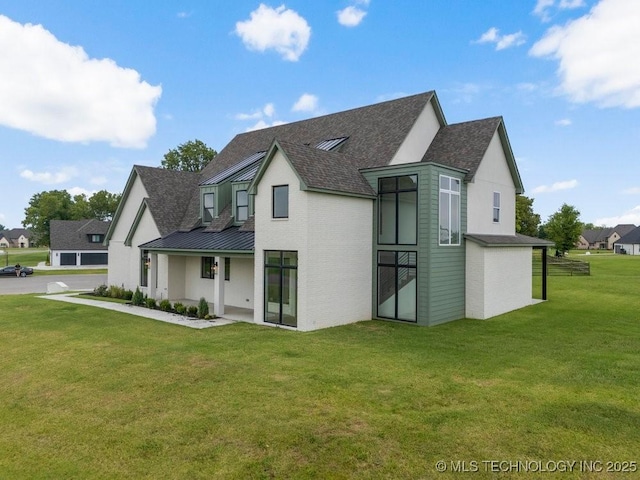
90 88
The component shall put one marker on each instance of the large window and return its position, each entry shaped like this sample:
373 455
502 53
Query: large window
397 285
281 287
280 201
145 263
449 210
208 267
398 210
496 207
208 208
242 205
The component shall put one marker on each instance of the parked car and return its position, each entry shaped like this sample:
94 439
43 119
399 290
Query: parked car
24 271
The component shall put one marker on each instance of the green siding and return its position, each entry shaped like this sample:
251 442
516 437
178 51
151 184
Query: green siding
441 269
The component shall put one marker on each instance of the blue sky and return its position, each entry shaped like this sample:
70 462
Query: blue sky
89 88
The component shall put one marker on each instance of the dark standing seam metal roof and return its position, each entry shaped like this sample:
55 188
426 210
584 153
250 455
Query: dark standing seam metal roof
169 194
375 134
248 175
232 170
74 234
230 239
330 144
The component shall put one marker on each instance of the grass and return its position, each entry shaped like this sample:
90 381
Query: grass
27 257
90 393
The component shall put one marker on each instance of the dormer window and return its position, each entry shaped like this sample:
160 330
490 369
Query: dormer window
242 205
208 207
96 238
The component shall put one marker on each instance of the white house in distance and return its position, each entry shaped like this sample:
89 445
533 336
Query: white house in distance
383 211
15 238
78 242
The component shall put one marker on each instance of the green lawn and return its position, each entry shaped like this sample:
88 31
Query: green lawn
27 257
88 393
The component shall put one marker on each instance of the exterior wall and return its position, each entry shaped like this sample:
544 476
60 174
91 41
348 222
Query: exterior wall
124 261
332 235
54 258
194 286
238 291
493 175
420 137
4 243
499 280
23 242
630 248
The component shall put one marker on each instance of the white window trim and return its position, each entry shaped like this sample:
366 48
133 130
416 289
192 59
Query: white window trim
450 192
496 208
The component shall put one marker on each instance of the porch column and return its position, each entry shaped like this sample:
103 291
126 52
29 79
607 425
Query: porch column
218 288
153 275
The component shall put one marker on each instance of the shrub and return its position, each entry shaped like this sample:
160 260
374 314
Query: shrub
203 308
179 308
116 292
192 311
165 305
128 294
137 298
100 291
150 302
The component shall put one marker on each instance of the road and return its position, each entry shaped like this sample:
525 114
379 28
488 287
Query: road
38 283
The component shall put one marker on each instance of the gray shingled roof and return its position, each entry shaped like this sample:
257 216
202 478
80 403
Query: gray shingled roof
633 237
231 239
169 194
74 234
375 134
516 240
462 145
327 170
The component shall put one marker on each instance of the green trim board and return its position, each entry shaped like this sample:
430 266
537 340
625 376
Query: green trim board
125 194
136 222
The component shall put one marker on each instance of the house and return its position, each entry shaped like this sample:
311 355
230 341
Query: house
602 238
629 244
78 242
384 211
15 238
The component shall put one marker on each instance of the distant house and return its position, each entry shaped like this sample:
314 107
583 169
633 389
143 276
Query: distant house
78 242
15 238
602 238
629 244
384 211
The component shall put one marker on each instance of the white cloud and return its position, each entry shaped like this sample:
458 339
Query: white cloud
262 124
306 103
598 54
543 6
101 180
184 14
630 216
268 110
632 191
564 122
279 29
73 191
571 4
54 90
350 16
50 178
556 187
502 41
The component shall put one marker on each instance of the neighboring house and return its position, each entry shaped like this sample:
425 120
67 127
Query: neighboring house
602 238
78 242
384 211
629 244
15 238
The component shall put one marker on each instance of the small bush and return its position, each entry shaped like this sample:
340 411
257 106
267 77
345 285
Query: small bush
128 295
116 292
179 308
165 305
203 308
137 298
192 311
150 302
100 291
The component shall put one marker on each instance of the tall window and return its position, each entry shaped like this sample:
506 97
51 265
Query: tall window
208 209
281 287
227 268
280 201
145 263
496 207
242 205
397 285
449 210
398 210
208 267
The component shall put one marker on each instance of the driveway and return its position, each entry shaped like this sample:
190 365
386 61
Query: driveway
38 283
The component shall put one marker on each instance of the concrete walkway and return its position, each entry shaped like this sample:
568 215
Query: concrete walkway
140 311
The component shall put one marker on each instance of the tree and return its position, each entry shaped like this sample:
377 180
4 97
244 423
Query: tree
191 156
58 205
564 228
527 222
2 227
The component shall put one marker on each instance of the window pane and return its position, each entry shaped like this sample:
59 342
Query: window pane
444 183
281 201
272 294
289 296
408 214
444 218
242 214
208 200
387 292
455 184
407 258
208 207
407 294
272 257
408 182
496 199
387 218
387 258
455 219
227 268
290 259
387 184
242 197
